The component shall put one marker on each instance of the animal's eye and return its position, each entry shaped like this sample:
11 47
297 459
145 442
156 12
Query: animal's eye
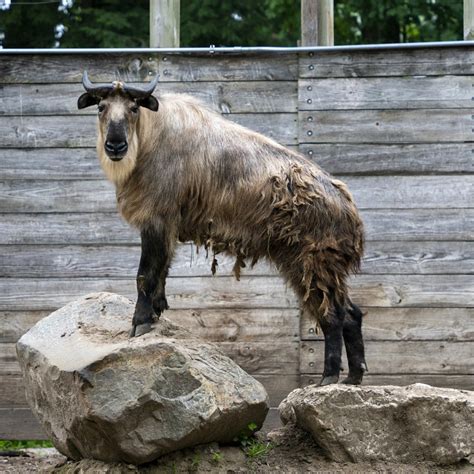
101 108
134 108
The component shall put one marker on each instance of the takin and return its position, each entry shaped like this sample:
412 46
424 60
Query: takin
184 173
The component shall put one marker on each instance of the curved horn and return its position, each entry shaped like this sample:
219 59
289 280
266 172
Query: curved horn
138 93
98 90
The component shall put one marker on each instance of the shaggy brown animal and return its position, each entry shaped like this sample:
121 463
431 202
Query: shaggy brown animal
183 172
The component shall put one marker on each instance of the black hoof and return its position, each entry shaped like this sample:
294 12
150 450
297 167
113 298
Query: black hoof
353 380
140 329
355 377
328 380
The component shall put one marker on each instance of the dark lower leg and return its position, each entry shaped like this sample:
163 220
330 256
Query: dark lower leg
352 331
151 278
332 328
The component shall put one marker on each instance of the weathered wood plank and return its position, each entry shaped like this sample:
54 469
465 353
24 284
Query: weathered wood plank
108 228
57 196
460 382
221 325
182 293
56 68
370 192
386 126
278 386
421 158
225 97
19 423
80 130
206 293
407 324
52 163
411 92
401 357
384 63
418 257
121 261
49 163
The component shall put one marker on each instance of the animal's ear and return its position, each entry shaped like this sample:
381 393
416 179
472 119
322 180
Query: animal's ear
86 100
149 102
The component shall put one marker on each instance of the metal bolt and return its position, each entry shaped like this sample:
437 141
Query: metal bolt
311 364
309 101
310 153
309 88
310 119
312 54
150 59
310 67
311 330
165 58
311 351
166 72
310 381
309 133
150 73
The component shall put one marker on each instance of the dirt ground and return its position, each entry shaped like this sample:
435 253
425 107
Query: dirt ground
290 451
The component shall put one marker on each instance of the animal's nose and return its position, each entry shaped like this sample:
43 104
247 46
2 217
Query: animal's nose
116 147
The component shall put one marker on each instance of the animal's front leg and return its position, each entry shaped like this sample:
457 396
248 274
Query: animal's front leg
151 279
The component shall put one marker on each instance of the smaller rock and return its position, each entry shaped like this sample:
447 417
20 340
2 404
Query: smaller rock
417 423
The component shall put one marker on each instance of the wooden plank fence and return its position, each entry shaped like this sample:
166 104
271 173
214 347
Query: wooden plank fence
396 125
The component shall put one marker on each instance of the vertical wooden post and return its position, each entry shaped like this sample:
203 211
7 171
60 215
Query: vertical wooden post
317 22
164 23
468 19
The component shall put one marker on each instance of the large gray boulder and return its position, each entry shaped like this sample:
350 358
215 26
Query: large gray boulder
395 424
100 394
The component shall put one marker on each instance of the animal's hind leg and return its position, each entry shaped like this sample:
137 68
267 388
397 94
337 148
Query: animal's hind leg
332 327
352 331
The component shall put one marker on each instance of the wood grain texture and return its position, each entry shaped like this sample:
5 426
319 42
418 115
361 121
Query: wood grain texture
80 130
216 325
121 261
401 357
108 228
386 126
370 192
386 159
222 96
339 159
405 62
174 67
20 423
407 324
404 291
182 293
410 92
460 382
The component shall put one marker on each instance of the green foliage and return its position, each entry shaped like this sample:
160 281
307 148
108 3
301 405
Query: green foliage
216 457
110 23
256 449
242 23
106 24
196 461
10 445
402 21
30 26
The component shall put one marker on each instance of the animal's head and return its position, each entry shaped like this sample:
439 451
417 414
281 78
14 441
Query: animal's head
119 112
